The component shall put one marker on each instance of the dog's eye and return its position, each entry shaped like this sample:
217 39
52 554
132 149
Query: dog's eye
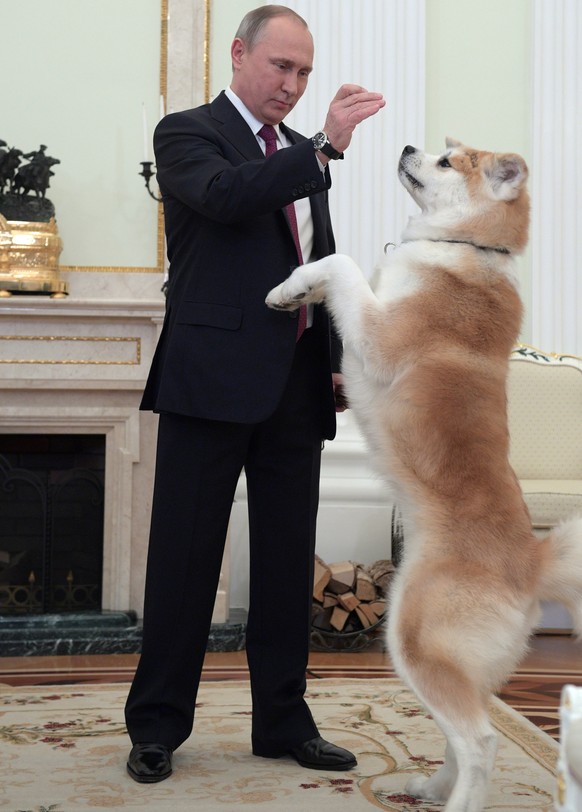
444 163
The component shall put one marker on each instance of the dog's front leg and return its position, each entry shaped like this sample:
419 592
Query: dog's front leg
338 280
305 285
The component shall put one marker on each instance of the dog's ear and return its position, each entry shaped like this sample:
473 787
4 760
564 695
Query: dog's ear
452 142
506 174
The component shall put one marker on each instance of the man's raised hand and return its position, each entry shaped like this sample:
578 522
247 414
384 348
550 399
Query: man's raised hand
351 105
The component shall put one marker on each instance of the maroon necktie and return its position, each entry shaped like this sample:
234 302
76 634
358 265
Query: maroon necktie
269 136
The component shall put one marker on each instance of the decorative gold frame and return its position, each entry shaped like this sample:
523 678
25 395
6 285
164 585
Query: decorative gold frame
135 340
159 268
557 356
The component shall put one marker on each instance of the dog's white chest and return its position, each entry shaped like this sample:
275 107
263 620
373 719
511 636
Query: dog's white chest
394 278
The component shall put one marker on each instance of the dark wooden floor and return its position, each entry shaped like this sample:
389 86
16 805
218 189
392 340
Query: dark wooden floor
534 689
548 653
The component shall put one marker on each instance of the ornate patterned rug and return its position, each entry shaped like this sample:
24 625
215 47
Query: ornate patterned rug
64 750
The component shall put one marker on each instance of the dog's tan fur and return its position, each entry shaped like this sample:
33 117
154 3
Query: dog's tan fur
425 365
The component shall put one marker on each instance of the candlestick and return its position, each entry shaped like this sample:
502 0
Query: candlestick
145 134
147 174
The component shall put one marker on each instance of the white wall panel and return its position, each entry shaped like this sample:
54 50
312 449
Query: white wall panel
556 176
379 45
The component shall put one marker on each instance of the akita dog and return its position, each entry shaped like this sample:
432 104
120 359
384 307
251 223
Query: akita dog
425 367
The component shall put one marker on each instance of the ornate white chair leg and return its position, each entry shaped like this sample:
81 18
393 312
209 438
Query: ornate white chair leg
569 790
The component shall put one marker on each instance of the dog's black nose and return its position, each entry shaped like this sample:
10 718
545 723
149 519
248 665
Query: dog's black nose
408 150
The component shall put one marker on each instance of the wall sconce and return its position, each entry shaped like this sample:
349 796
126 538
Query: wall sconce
147 174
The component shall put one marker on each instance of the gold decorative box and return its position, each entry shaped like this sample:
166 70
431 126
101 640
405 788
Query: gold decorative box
29 258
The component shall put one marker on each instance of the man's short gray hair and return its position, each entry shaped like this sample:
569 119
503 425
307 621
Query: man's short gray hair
252 25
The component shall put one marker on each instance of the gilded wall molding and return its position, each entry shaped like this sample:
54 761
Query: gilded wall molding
135 340
206 57
159 267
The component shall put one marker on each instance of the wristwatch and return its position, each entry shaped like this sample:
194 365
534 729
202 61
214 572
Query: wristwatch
321 143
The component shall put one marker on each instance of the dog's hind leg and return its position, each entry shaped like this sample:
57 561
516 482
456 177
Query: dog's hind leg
464 779
440 784
437 661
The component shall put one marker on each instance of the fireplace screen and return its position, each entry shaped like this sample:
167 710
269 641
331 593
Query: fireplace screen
51 523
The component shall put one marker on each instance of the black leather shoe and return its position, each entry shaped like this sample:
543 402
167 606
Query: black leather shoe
149 763
317 754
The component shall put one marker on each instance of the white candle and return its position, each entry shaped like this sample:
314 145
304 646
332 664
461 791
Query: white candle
145 133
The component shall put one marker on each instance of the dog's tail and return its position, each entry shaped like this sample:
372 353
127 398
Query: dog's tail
562 574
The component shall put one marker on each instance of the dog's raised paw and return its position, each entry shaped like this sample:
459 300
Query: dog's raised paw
277 300
279 306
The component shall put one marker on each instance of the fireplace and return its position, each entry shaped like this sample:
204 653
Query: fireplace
51 522
74 370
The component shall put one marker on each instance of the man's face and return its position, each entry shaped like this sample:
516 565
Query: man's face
272 77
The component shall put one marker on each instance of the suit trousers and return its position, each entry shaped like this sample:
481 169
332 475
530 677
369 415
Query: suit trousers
197 469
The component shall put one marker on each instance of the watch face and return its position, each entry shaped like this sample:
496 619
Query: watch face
319 140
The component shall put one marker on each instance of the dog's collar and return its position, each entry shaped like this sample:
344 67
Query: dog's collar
458 242
480 247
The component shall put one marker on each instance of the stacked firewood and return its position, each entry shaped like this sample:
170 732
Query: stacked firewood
349 597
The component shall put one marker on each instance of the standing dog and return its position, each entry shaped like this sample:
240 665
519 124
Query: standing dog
425 367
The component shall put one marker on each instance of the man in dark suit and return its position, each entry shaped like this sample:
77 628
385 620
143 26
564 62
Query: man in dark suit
238 385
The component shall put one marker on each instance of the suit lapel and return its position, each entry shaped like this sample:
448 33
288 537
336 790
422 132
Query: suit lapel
234 128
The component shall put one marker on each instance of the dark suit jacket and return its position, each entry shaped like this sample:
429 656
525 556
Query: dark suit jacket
222 353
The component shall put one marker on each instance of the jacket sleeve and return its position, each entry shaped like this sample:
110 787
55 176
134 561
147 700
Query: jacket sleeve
199 166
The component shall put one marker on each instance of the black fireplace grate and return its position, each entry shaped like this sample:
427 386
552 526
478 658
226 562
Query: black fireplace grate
51 524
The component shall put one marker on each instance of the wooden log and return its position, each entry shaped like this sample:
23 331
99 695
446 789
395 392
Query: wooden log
321 619
381 572
378 607
321 577
365 588
363 617
348 601
371 616
338 618
343 576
